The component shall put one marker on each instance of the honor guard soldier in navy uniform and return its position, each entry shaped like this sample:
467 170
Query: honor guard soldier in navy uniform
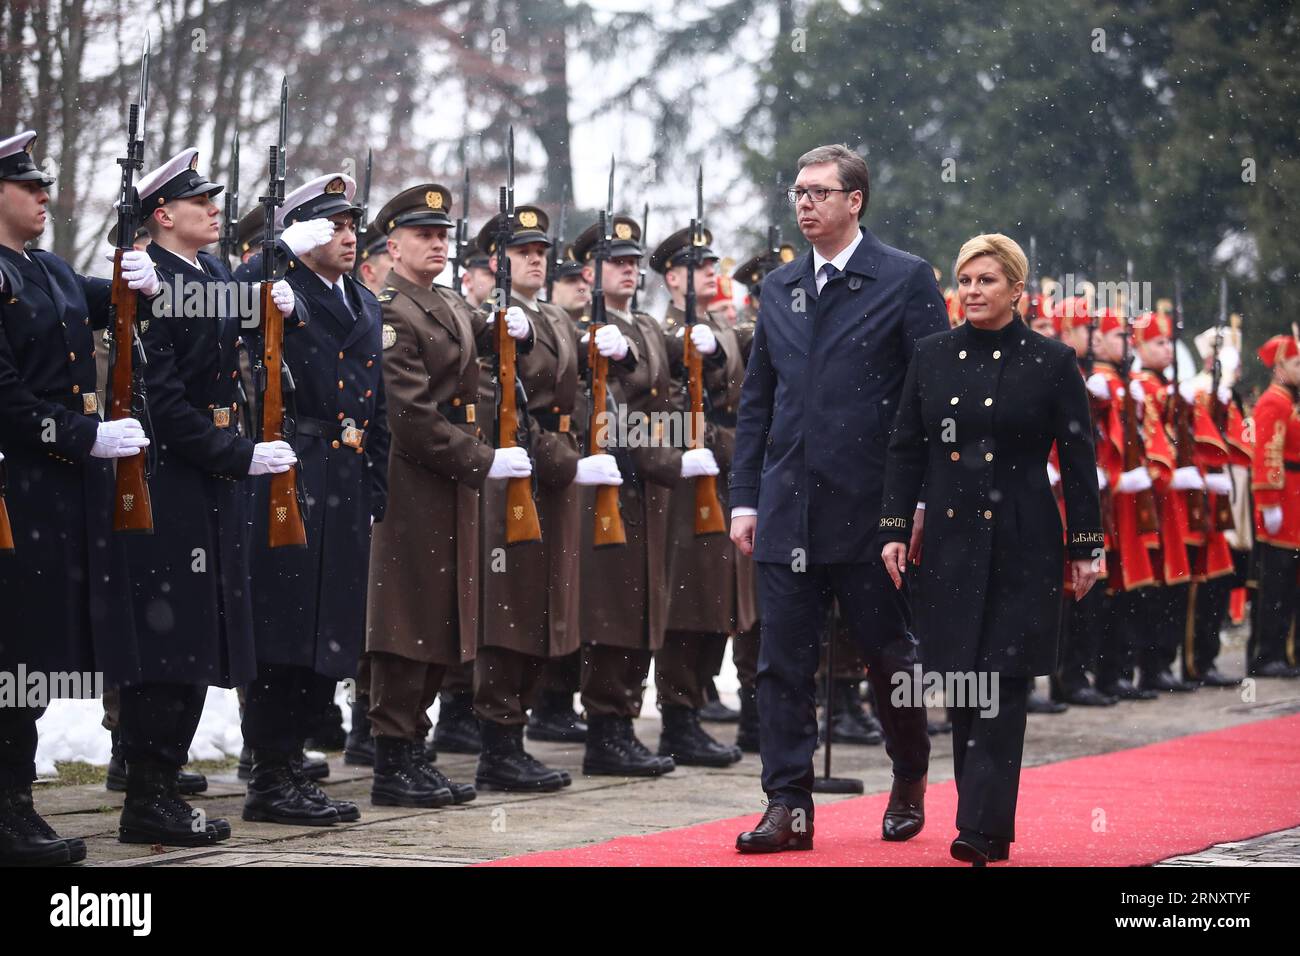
309 603
424 578
64 588
531 593
707 598
190 578
623 587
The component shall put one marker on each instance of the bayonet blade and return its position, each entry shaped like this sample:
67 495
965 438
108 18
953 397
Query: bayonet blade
143 92
510 170
284 124
609 196
234 172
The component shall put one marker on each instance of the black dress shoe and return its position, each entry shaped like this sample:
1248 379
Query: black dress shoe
689 744
25 838
457 731
780 829
1213 677
1041 705
399 779
505 765
612 752
1126 690
905 813
278 793
1274 669
977 849
154 812
1089 697
1165 681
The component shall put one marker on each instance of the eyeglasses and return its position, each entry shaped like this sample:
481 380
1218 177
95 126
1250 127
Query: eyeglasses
815 193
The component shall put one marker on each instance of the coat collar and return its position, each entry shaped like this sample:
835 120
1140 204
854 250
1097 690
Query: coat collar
865 260
170 262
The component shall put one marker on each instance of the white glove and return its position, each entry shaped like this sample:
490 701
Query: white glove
510 463
1101 479
1272 519
598 470
1187 389
1053 476
611 343
1225 394
517 324
702 338
271 458
307 234
139 272
1218 483
119 439
1188 478
1098 385
1135 389
1132 482
282 296
1229 362
698 462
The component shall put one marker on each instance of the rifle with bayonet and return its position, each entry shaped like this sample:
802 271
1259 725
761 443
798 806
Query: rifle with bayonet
556 258
363 223
640 279
1222 517
1134 447
522 523
285 524
708 509
1184 418
1033 295
460 234
230 212
132 508
609 530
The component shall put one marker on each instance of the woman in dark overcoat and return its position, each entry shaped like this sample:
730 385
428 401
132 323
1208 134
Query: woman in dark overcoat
981 407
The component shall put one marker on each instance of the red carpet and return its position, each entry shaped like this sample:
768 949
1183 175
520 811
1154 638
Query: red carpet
1127 808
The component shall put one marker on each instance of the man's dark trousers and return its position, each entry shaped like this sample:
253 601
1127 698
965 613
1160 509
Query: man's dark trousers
876 615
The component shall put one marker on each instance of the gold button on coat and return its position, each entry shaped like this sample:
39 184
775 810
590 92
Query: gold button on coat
988 514
955 456
988 401
950 513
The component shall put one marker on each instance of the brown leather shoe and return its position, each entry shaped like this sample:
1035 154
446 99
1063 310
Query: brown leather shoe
905 814
780 829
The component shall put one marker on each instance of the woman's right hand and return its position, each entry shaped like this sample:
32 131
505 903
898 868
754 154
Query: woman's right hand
894 555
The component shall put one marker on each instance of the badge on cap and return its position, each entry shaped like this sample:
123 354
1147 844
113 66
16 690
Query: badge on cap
390 336
528 219
622 230
335 187
433 199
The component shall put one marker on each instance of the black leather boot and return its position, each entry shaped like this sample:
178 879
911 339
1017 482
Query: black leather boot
457 730
154 812
714 710
747 732
553 719
26 839
613 751
188 782
400 781
312 768
359 749
689 744
849 723
327 730
460 792
505 765
348 811
275 795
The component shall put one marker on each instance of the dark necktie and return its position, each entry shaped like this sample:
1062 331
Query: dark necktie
830 272
343 298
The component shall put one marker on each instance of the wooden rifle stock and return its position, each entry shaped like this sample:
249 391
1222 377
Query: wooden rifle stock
132 508
609 530
522 523
285 526
708 509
